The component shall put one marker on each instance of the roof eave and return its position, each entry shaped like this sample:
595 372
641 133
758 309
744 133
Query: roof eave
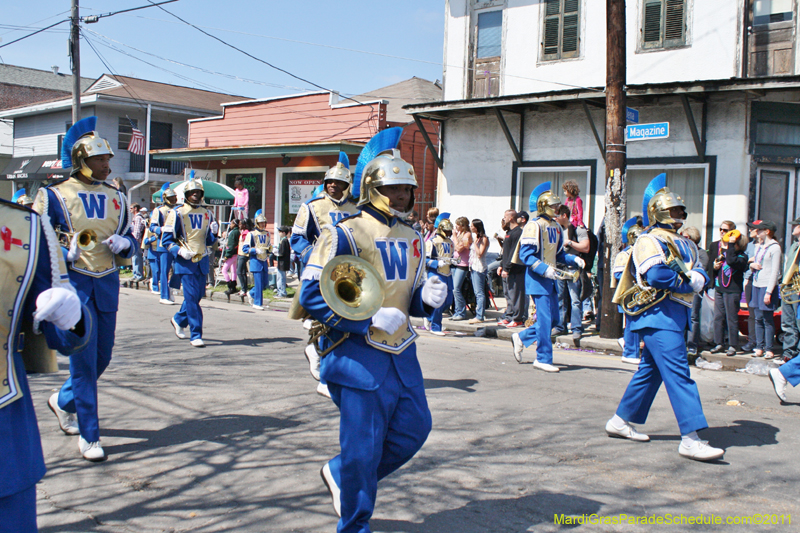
257 151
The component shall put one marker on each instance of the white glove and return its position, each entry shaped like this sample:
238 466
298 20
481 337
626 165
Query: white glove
214 227
389 319
696 280
186 254
580 263
60 307
434 292
550 273
74 252
117 244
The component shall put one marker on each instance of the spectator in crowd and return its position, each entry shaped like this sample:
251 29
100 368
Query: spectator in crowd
750 251
478 267
284 257
573 202
693 234
727 265
413 219
430 219
241 200
601 253
513 275
791 335
522 219
764 296
462 241
245 227
119 185
230 257
137 229
576 241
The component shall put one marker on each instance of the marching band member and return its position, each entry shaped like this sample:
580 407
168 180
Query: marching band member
186 234
37 292
334 204
630 340
374 376
665 264
438 265
157 221
540 247
257 245
83 204
149 247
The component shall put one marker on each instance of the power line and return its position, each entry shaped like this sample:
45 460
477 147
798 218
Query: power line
34 33
37 22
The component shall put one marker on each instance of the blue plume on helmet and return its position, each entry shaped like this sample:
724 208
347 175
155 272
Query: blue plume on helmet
18 195
631 222
191 174
537 192
260 212
317 191
164 187
441 217
343 159
383 140
78 130
655 185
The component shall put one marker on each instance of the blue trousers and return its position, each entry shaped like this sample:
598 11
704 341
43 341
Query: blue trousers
570 305
479 287
79 393
663 359
137 262
280 281
18 512
791 371
379 431
165 260
436 316
154 269
259 284
631 337
546 310
190 314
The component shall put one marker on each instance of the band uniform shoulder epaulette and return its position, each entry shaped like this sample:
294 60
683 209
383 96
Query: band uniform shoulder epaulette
16 206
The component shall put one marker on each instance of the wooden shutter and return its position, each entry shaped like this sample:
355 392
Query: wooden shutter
569 40
652 23
561 33
673 22
552 27
664 23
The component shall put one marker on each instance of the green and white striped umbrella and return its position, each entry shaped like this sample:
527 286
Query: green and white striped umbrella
213 193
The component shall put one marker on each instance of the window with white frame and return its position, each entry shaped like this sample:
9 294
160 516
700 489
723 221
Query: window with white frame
125 132
663 24
561 29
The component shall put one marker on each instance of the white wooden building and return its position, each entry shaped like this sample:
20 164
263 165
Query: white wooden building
524 103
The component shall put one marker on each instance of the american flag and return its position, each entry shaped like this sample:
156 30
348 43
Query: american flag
136 145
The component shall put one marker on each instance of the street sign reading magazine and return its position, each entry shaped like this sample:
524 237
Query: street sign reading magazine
646 132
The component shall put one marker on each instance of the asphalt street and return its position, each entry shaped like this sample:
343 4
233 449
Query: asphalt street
232 437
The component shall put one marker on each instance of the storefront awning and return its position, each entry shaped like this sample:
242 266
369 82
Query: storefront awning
257 151
40 167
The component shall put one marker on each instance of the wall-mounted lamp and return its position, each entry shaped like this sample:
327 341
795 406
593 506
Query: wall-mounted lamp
224 160
285 160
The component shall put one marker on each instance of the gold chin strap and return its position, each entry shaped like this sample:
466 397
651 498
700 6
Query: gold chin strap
381 203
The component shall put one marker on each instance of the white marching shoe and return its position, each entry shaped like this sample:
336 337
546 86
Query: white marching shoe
313 361
333 489
518 347
66 421
179 331
778 383
166 302
699 450
631 360
544 366
258 307
322 390
426 323
627 432
91 451
198 343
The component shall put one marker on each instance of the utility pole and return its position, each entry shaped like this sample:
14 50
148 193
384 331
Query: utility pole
75 60
616 160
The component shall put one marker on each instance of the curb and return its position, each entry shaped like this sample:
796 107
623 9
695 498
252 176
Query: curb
278 304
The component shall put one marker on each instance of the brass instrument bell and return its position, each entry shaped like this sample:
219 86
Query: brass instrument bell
87 239
352 287
790 288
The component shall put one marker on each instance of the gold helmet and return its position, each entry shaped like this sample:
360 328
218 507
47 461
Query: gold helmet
191 186
260 218
659 205
90 145
388 168
631 231
339 173
634 233
443 225
543 201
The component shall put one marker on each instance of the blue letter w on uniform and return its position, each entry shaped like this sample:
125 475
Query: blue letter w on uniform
196 221
394 255
94 204
552 235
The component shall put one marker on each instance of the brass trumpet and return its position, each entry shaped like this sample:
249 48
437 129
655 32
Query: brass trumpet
196 257
87 239
639 298
566 275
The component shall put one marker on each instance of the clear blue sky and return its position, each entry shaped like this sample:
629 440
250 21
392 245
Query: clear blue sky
267 29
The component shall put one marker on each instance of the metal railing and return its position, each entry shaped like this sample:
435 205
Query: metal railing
156 166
